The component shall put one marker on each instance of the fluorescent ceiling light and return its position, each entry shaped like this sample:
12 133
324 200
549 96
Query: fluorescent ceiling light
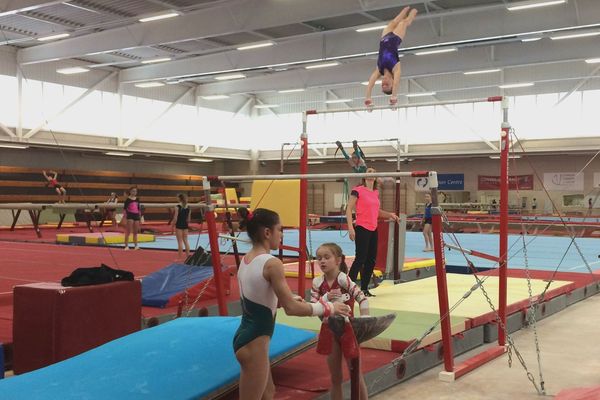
118 154
159 16
231 76
516 85
524 5
338 101
482 71
256 46
72 70
420 94
13 146
316 162
575 35
427 52
95 53
215 97
365 83
266 106
510 156
149 84
593 60
533 39
53 37
325 65
371 28
200 159
291 90
156 60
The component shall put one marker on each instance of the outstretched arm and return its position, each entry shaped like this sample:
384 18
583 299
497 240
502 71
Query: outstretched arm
389 215
396 85
349 208
293 305
372 79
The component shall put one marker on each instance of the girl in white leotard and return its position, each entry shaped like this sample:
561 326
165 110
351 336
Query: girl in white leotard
262 284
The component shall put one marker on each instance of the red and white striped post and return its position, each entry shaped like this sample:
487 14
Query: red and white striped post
503 256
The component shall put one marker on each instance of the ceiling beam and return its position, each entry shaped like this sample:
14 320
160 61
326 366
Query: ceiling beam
82 96
467 59
578 85
210 22
8 7
163 3
162 114
459 27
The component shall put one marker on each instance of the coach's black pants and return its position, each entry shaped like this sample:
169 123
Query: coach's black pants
365 256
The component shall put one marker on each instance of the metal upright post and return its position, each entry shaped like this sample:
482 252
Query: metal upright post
214 251
440 270
303 209
504 187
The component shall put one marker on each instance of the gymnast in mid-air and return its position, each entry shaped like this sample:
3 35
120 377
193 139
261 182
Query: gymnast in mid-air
388 61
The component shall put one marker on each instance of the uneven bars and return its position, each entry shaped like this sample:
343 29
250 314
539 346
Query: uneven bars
432 175
390 107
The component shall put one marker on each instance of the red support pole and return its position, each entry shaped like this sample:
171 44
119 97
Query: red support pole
442 284
303 216
397 226
503 259
216 260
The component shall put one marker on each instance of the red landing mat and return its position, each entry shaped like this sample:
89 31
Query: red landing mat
307 375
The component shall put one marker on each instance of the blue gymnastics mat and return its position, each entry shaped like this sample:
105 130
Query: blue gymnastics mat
188 358
543 252
160 286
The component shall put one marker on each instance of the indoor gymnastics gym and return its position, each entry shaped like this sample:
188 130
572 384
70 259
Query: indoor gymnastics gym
128 126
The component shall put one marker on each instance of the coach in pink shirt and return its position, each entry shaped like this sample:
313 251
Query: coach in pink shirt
364 199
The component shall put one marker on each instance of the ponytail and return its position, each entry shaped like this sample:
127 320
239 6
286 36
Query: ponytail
343 265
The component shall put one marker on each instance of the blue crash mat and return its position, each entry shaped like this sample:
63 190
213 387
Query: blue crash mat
188 358
160 286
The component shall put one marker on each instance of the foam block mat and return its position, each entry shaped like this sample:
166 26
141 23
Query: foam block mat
101 238
188 358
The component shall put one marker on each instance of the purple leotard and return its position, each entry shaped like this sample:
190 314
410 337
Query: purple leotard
388 52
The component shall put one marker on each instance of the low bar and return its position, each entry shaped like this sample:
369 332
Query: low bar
473 252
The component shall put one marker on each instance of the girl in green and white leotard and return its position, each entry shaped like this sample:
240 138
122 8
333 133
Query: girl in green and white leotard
262 284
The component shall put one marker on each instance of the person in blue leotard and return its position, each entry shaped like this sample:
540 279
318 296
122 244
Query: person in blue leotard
427 224
388 61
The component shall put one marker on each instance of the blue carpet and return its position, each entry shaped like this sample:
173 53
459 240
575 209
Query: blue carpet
543 252
188 358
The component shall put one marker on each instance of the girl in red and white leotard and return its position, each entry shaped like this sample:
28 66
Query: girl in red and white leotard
51 177
335 286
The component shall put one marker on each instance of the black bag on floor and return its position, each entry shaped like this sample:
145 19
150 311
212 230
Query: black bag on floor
96 276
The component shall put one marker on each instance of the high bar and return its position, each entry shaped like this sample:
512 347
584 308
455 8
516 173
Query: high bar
492 99
313 177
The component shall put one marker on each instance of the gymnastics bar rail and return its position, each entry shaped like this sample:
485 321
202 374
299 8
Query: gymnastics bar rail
493 99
